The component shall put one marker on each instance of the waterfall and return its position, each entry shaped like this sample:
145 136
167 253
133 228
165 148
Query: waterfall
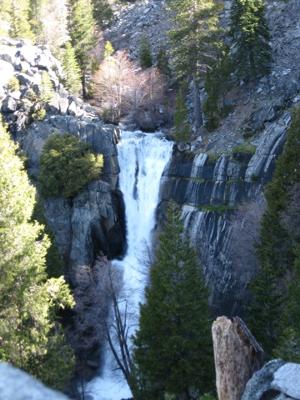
142 158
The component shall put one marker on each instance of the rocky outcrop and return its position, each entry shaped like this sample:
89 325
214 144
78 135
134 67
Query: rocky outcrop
210 188
17 385
92 293
90 225
276 380
133 21
237 356
231 166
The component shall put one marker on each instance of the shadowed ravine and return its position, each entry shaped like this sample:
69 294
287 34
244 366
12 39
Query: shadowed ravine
142 158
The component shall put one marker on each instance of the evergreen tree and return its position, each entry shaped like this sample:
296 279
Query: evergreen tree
181 118
82 31
216 84
173 349
163 62
195 43
19 21
28 301
5 12
276 251
71 70
35 17
252 54
145 53
102 12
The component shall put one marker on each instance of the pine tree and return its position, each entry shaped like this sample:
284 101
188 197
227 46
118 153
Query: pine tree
173 350
71 70
82 31
217 82
181 118
195 43
28 301
163 62
102 12
35 17
276 250
19 21
252 54
5 12
145 55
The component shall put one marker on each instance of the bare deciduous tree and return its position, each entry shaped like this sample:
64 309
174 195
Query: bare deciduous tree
122 88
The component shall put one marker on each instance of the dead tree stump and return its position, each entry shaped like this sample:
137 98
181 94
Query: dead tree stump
237 356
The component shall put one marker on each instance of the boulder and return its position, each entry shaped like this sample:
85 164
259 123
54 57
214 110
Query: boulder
9 105
18 385
287 380
261 382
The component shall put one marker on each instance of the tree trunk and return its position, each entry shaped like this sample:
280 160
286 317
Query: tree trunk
237 357
83 82
198 120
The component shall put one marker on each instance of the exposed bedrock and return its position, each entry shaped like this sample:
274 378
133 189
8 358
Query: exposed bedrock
211 188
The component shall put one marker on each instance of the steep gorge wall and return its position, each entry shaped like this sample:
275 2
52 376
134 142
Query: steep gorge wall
216 174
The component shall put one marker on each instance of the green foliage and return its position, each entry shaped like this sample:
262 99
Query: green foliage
35 20
82 32
5 11
46 88
13 84
39 115
216 84
67 166
108 49
181 118
54 261
252 54
173 349
19 20
195 40
145 54
245 148
71 70
29 303
220 208
272 297
163 62
102 12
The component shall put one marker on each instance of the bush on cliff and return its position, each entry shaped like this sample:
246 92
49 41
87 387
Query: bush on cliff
67 165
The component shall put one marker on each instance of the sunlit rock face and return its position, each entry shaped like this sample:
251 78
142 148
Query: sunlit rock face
17 385
277 380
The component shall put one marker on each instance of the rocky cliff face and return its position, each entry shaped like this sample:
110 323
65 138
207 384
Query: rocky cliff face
91 224
222 170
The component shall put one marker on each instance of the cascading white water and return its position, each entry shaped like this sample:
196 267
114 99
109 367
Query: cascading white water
142 158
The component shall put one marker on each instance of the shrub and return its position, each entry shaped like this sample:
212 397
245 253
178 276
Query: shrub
39 114
67 165
46 88
245 148
13 84
145 55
